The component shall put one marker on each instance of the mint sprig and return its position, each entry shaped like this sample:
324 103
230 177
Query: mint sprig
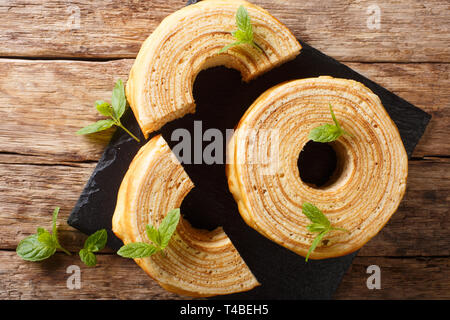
327 132
244 33
115 111
95 242
159 237
41 245
320 224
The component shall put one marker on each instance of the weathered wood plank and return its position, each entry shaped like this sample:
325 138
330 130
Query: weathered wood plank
401 278
408 30
29 193
421 225
43 103
67 28
113 278
118 278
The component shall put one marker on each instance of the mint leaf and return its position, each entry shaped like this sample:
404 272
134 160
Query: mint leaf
118 100
104 108
243 36
46 238
153 235
115 111
334 117
316 227
320 224
88 257
315 242
41 245
244 33
243 19
54 219
55 231
41 231
160 237
96 241
315 214
31 249
96 127
136 250
168 226
327 132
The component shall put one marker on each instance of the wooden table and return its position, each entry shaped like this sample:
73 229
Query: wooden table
57 57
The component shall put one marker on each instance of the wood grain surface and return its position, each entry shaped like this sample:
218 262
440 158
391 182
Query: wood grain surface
58 57
410 30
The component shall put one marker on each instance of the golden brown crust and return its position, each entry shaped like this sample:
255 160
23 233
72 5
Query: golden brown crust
196 263
159 88
362 197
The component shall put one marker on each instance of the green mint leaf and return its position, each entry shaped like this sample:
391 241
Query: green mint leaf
334 117
315 214
168 226
97 102
118 99
41 245
96 127
327 132
314 244
115 110
96 241
31 249
46 238
320 224
55 231
160 237
153 235
54 218
316 227
243 36
136 250
104 108
244 33
243 19
88 257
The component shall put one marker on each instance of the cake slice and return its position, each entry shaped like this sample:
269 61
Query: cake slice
159 88
196 263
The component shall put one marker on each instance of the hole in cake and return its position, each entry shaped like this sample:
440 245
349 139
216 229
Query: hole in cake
216 92
321 164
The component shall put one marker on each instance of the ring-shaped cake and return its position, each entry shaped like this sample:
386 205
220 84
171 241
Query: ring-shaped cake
362 194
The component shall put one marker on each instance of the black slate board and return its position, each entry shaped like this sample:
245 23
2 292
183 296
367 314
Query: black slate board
221 100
